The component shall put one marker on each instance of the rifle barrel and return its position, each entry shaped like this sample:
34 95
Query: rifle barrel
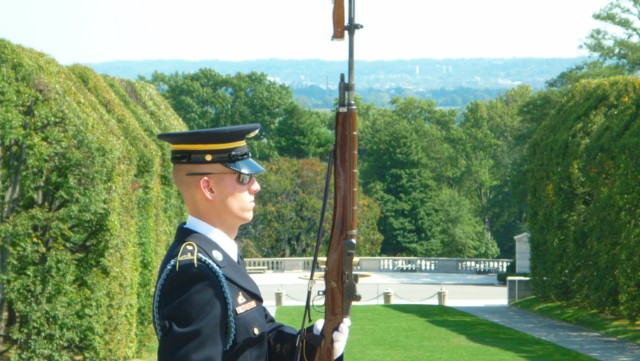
351 28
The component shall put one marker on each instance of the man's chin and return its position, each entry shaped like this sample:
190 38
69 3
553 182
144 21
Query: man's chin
248 218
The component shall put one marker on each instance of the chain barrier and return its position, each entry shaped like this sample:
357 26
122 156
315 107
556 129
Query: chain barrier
416 301
319 298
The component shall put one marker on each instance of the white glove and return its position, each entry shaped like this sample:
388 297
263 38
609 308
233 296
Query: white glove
339 336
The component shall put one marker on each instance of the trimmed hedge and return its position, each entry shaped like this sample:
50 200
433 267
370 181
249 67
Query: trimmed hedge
86 197
584 197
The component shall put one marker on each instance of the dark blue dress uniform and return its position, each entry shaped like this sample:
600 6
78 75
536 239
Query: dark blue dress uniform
206 314
206 306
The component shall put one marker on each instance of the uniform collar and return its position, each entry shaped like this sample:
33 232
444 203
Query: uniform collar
220 238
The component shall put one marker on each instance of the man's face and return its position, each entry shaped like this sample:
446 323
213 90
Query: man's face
234 202
214 194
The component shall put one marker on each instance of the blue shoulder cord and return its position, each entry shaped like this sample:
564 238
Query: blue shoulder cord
231 326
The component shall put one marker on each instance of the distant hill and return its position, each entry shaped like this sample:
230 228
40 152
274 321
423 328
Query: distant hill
450 82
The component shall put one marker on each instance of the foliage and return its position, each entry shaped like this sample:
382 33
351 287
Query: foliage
394 171
457 229
619 43
455 96
437 169
207 99
583 198
414 170
596 69
82 207
616 46
305 134
287 218
487 146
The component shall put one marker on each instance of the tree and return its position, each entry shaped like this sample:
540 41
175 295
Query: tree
395 172
433 177
288 213
621 44
304 134
407 160
457 229
596 69
207 99
616 48
489 130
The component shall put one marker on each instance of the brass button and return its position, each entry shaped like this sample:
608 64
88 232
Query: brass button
256 331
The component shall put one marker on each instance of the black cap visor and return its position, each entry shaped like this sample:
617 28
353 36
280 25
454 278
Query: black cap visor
245 166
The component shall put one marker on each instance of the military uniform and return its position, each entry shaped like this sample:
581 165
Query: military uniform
206 306
206 314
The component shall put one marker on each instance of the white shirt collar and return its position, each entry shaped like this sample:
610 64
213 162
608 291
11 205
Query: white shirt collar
220 238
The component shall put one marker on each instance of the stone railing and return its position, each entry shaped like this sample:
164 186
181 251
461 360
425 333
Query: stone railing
388 264
280 264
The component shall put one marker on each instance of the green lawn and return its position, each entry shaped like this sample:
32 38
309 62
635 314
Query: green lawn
422 332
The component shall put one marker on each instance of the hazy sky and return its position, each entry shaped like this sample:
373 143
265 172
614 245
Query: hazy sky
86 31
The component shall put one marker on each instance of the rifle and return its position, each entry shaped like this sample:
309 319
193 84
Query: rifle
340 281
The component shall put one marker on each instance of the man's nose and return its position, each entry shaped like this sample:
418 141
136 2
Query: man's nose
255 186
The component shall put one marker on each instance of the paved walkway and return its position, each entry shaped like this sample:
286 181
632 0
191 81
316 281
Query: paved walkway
476 294
598 346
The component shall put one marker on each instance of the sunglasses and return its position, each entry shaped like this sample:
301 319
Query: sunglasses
242 178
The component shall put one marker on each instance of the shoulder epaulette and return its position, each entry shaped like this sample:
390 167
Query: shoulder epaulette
188 252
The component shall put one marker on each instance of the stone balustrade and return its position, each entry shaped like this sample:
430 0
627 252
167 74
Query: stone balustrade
388 264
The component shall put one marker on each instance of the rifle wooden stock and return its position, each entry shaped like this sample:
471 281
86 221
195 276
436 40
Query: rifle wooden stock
338 20
339 279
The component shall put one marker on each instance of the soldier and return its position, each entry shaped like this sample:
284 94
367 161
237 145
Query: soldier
206 306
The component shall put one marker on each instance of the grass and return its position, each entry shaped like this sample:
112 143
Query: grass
421 332
400 332
590 319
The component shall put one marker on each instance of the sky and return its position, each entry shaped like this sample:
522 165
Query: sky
93 31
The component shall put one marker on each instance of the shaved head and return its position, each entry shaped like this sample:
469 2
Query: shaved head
184 181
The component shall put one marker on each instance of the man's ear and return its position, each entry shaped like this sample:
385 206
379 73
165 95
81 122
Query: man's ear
206 186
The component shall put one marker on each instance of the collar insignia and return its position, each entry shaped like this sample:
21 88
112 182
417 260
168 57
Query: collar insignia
216 255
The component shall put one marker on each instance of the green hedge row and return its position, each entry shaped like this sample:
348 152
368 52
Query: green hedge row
88 208
584 197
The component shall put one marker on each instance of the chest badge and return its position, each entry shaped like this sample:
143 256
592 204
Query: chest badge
243 305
